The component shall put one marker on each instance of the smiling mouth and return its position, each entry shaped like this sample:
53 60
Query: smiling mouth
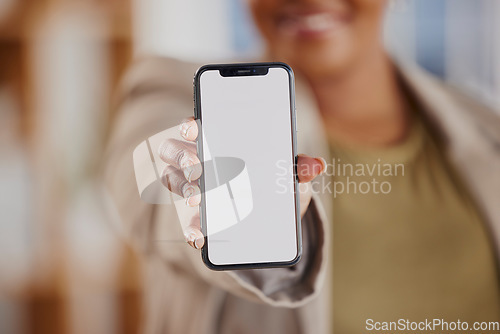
313 25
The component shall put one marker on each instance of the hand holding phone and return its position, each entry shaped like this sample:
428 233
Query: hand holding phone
184 170
180 155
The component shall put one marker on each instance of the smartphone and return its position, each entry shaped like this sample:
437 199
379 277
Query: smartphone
249 210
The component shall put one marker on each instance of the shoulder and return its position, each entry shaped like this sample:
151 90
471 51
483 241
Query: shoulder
476 110
476 113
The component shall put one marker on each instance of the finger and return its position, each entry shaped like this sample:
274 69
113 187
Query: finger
181 155
174 180
308 167
305 192
189 129
192 233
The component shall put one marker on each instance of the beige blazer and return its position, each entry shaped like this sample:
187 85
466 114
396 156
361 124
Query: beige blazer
182 296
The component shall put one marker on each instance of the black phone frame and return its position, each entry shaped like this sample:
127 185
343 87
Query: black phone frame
246 69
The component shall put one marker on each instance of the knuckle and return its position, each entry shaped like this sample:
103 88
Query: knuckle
165 147
184 156
180 156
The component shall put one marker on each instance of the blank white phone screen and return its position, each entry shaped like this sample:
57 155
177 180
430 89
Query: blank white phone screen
248 158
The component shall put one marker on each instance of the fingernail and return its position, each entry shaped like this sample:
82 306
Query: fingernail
323 163
190 239
188 200
188 190
192 201
185 129
198 243
189 174
188 170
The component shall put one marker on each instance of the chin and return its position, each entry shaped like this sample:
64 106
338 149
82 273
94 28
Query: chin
317 61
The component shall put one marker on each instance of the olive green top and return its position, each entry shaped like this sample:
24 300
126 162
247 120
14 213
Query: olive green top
408 243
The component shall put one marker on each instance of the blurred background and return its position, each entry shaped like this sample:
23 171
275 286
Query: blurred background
64 266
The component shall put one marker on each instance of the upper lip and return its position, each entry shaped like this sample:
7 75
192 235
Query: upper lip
297 12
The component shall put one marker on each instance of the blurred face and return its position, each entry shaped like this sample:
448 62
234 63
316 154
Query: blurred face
320 38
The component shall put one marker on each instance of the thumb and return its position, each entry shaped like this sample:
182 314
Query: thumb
308 167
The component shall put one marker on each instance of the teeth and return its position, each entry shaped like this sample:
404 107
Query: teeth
317 22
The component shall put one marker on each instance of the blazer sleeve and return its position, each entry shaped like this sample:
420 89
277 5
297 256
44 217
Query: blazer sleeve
156 94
